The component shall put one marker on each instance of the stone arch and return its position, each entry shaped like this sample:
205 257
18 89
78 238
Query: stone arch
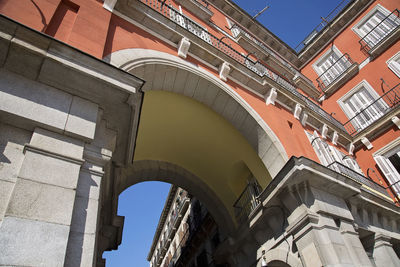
153 170
219 97
280 257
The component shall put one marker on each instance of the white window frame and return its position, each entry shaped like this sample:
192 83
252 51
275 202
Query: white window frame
394 63
381 158
328 154
322 59
350 113
358 25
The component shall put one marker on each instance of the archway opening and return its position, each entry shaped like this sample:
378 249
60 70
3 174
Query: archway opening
141 205
197 133
165 225
182 132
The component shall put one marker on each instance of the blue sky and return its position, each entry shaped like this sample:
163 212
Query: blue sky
141 204
290 20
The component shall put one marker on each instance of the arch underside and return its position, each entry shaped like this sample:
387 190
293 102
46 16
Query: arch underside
195 122
141 170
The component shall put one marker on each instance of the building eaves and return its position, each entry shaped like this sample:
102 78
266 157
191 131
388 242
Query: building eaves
245 19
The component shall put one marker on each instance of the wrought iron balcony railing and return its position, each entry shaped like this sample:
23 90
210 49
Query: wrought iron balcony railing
320 27
381 31
334 72
254 66
374 111
346 171
247 202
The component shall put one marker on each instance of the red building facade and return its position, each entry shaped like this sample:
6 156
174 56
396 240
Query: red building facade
334 100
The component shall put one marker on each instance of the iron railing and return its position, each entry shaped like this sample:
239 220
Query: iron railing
377 109
334 72
247 202
346 171
382 30
255 66
320 27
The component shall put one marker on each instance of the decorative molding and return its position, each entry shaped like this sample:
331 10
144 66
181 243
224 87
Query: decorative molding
351 149
387 148
335 137
271 97
52 154
367 143
224 70
304 119
396 121
183 47
109 4
297 111
324 131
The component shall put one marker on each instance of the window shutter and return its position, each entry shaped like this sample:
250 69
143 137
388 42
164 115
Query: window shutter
390 172
336 154
352 164
322 150
394 65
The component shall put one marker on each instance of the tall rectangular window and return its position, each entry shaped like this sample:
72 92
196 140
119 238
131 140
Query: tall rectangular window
376 25
388 160
330 66
332 157
361 107
394 64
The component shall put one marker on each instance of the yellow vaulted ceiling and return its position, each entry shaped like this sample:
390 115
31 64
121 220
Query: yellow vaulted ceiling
182 131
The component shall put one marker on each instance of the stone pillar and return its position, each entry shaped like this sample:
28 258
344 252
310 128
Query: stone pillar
384 254
82 236
321 242
81 250
353 244
37 221
12 141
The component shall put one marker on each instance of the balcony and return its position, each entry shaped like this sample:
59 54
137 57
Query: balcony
384 34
170 23
197 7
386 104
337 74
247 202
367 183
